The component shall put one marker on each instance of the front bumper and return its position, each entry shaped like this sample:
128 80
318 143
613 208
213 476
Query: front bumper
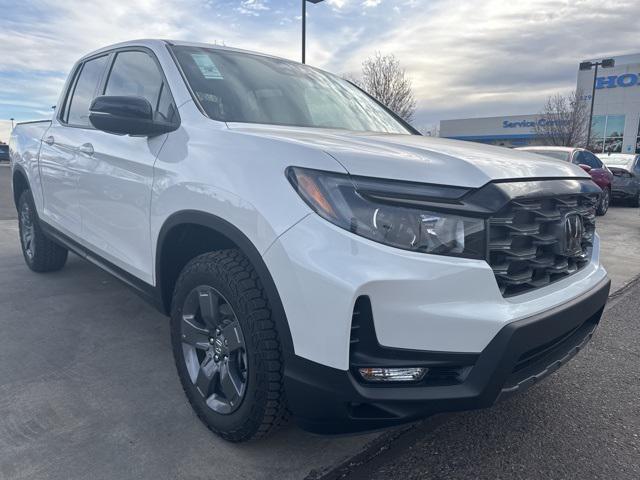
419 301
329 400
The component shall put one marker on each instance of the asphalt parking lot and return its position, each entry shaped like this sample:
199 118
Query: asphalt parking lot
88 389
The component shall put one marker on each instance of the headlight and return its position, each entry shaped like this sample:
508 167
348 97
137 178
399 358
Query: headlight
367 208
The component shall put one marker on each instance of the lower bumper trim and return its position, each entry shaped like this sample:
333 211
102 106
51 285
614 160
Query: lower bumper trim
332 401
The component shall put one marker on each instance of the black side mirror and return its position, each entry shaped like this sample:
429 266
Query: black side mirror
126 116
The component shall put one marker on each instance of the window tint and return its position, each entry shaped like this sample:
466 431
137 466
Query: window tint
84 91
588 158
592 160
136 74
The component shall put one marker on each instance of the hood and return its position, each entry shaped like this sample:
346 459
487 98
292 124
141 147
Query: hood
417 158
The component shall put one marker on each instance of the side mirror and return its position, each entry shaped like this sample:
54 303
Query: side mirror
126 116
586 168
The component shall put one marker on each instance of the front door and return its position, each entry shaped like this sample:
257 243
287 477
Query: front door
116 176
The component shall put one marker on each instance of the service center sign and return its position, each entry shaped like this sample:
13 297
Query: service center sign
542 122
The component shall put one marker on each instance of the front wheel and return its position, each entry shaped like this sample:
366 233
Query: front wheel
41 253
605 200
226 347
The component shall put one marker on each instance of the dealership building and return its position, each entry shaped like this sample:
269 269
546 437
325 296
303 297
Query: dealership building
616 113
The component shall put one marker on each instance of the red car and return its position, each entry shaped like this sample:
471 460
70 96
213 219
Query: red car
600 174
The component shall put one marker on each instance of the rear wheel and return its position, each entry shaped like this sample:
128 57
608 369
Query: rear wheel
41 253
605 200
226 347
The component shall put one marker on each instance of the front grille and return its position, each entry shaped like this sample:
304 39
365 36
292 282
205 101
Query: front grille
527 248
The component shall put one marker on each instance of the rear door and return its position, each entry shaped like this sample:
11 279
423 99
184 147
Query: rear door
115 184
62 152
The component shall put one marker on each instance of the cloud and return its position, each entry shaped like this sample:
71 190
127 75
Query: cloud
464 58
507 60
337 3
252 7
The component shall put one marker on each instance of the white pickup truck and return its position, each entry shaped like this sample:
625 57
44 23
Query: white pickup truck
316 255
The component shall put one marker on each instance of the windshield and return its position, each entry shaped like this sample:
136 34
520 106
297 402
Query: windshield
552 153
241 87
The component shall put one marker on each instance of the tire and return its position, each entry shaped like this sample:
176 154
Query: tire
225 282
604 202
40 253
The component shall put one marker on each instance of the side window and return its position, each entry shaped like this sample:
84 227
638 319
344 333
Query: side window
592 160
587 158
84 91
636 169
578 158
136 74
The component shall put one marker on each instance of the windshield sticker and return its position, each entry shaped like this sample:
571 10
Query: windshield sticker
206 66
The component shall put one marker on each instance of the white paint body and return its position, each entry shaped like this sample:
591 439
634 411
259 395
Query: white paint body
115 202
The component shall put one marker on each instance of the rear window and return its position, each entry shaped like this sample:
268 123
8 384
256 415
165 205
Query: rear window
617 160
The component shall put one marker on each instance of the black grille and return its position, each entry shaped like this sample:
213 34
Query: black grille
527 241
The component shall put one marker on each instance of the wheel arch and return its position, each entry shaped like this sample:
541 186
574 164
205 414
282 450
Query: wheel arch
218 234
19 183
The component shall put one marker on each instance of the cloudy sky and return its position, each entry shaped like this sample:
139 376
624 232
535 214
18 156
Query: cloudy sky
465 58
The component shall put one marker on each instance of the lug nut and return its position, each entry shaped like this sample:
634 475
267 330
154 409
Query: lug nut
216 358
211 340
218 331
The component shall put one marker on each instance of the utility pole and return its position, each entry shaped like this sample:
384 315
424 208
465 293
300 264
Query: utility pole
304 26
605 63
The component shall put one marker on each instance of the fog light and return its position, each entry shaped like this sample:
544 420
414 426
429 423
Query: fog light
393 374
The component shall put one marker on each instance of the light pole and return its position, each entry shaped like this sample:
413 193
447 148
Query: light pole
11 123
605 63
304 25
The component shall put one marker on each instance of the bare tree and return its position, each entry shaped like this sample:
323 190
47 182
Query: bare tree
384 79
564 120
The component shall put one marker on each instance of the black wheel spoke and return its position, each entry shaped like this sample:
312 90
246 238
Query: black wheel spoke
233 336
209 308
208 372
193 334
230 384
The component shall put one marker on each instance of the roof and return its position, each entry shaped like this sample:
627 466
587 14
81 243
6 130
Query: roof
158 42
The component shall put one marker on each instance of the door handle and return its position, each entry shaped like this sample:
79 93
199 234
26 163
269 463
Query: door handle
86 148
49 140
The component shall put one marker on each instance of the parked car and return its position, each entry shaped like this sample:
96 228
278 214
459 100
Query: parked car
4 152
315 253
625 168
600 174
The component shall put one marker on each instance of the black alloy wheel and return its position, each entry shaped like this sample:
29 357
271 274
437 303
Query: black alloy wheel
214 349
41 253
